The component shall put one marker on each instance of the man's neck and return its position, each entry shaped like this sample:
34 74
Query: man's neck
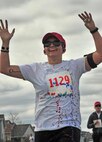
54 61
98 111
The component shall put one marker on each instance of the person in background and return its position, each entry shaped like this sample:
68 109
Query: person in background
31 138
95 122
56 82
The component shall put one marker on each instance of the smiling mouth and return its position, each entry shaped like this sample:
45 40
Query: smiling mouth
52 50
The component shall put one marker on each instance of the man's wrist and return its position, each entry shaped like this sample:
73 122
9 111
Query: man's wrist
94 30
4 49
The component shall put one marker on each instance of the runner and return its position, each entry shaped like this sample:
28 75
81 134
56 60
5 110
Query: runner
56 83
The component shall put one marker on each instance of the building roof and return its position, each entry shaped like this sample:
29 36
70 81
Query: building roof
19 130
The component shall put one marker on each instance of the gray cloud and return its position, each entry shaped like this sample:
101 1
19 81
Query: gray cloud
11 3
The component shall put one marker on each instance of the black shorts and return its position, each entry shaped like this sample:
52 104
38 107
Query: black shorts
66 134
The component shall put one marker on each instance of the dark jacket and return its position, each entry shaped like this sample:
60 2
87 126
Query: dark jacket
92 117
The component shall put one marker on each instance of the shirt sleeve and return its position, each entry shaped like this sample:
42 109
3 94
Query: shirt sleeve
78 66
28 71
90 123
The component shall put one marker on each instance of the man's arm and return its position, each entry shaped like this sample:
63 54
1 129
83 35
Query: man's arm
90 123
97 55
5 66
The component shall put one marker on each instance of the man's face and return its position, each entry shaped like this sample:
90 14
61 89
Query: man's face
53 47
98 108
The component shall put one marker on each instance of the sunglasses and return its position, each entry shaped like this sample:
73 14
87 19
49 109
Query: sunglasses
98 106
55 43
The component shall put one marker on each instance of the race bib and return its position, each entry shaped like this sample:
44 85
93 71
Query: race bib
59 84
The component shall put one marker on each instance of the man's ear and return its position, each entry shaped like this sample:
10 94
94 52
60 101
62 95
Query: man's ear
44 52
64 50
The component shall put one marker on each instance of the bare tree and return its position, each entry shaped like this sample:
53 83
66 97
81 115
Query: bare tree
14 117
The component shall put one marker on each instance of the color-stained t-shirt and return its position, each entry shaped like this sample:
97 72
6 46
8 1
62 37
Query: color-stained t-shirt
57 100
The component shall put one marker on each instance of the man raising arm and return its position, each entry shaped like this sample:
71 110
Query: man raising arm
6 68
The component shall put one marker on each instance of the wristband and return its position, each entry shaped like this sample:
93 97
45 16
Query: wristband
5 49
93 31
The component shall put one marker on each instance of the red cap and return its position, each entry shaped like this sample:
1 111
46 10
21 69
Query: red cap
97 103
57 35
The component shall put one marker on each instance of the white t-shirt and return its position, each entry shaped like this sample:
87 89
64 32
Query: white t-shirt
57 101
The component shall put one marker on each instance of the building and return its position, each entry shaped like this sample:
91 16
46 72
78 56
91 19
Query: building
22 133
8 130
2 128
18 133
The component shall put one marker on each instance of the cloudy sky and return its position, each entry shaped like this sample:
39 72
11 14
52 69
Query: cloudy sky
32 19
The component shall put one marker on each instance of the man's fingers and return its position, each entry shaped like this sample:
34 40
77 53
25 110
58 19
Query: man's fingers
86 17
13 31
86 14
6 24
81 16
2 25
90 16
